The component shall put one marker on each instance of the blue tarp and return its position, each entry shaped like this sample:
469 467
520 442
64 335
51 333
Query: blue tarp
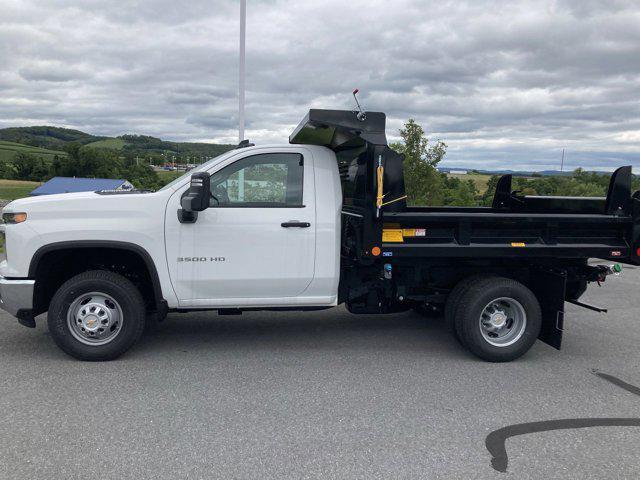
68 185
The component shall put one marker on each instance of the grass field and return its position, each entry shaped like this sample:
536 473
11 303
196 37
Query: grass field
109 143
12 189
168 176
480 180
8 151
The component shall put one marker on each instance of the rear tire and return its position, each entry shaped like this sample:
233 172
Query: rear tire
97 315
498 319
453 300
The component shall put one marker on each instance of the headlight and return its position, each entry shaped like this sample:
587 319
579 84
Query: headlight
17 217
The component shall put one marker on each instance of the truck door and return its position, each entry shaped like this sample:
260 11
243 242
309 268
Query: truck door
256 242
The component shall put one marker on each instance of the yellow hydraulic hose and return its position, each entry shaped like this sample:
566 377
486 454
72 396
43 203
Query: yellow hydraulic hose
380 197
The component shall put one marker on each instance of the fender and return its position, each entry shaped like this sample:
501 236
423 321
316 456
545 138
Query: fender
132 247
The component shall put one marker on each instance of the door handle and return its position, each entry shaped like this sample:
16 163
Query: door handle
295 224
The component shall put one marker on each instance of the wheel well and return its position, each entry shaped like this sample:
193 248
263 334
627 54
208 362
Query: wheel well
54 267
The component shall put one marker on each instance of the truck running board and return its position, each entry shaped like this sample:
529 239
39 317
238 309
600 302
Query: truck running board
589 307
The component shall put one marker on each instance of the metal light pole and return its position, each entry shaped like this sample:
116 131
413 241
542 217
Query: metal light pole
243 22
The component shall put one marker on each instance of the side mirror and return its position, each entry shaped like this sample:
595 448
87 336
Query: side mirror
196 199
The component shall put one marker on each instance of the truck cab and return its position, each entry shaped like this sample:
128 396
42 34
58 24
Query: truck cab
268 237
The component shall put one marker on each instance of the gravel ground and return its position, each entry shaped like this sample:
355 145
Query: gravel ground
322 395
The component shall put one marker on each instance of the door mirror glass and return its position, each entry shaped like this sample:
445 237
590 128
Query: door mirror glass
197 197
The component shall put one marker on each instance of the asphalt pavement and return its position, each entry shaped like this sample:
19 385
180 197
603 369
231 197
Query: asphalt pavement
327 395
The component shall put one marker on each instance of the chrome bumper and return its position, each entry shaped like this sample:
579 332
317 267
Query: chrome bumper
16 295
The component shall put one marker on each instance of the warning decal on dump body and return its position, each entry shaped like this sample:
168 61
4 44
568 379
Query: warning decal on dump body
392 235
414 232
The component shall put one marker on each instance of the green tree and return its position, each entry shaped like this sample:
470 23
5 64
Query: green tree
423 183
487 196
459 193
8 171
29 167
102 163
142 176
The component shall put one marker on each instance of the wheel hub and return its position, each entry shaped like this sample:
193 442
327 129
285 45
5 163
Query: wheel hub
503 321
498 319
94 318
90 323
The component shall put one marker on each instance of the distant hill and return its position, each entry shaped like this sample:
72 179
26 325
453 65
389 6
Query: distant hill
9 150
153 144
56 138
518 173
46 136
108 143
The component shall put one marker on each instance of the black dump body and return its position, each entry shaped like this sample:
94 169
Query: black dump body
544 242
525 226
513 227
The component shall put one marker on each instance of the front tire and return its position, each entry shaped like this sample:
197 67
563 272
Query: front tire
96 316
498 319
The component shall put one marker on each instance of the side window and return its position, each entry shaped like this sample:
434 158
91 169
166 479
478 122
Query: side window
266 180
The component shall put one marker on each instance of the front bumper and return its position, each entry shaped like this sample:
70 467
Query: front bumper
16 295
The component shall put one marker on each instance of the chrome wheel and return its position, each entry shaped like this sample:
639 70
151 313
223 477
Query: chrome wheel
95 318
503 321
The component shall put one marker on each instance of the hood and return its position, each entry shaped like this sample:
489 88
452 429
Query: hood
59 202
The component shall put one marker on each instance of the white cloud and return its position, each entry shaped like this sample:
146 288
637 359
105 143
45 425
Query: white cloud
503 83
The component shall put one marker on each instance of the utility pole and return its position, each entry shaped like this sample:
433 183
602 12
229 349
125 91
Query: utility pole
243 22
562 161
241 72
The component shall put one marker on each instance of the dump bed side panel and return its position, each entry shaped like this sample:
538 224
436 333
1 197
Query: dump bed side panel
523 226
488 234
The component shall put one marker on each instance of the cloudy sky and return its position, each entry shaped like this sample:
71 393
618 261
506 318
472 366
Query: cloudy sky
504 84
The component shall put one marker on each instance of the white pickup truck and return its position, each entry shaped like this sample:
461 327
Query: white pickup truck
307 225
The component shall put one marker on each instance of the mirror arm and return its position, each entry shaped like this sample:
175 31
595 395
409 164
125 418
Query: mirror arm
186 216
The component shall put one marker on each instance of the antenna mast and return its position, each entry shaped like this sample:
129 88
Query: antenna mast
243 23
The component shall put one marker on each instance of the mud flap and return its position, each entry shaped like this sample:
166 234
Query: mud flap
550 288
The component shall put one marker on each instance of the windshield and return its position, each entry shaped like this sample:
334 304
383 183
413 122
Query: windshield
199 168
